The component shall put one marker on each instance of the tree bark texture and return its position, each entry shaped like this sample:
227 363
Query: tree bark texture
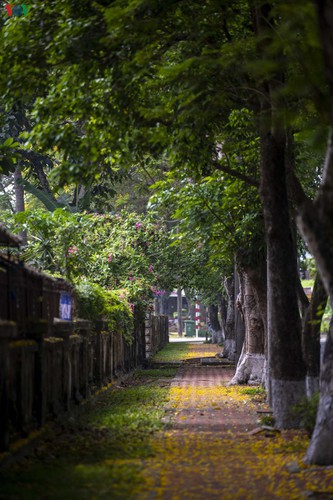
180 312
222 309
19 199
320 450
285 361
191 309
316 225
311 335
19 191
239 317
315 221
325 22
250 365
215 324
229 350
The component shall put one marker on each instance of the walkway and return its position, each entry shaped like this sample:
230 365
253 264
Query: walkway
214 448
210 447
175 338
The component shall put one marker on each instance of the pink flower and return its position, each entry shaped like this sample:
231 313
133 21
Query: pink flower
151 268
110 257
132 306
121 296
72 250
138 225
130 278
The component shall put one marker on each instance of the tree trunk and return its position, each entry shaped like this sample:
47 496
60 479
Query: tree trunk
285 362
19 199
250 367
229 350
315 221
320 450
179 312
316 226
191 310
311 335
222 309
215 324
239 317
164 303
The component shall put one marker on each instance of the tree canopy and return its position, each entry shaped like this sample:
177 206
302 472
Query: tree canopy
222 107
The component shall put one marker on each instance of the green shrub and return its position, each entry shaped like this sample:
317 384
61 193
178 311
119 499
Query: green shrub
267 420
306 413
95 303
91 300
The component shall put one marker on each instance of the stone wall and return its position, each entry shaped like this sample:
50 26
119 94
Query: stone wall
51 368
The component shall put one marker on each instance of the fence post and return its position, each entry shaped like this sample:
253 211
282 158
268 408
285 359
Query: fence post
8 332
83 328
37 330
63 329
148 334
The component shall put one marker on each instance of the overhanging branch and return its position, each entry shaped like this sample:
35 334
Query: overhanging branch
238 175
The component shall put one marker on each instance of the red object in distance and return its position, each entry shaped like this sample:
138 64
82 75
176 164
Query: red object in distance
9 10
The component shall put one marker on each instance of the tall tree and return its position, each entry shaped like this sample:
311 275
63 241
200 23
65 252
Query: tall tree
169 75
316 224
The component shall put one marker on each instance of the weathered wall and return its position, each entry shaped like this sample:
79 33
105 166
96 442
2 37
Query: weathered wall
156 333
51 368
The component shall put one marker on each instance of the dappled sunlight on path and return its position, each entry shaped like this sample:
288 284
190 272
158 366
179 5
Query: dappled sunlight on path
209 450
206 465
170 432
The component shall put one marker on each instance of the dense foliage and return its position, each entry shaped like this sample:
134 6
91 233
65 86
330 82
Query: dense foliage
227 101
120 251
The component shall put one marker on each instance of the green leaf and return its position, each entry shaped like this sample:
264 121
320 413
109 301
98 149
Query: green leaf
8 142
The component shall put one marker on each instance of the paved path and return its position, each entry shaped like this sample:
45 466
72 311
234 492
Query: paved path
206 453
173 338
201 400
203 403
210 453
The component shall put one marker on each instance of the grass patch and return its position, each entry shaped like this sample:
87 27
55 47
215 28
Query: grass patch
308 283
99 451
172 353
179 352
267 420
72 481
253 391
306 412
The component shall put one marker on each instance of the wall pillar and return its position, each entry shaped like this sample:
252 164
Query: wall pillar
63 329
148 334
8 332
83 328
38 330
